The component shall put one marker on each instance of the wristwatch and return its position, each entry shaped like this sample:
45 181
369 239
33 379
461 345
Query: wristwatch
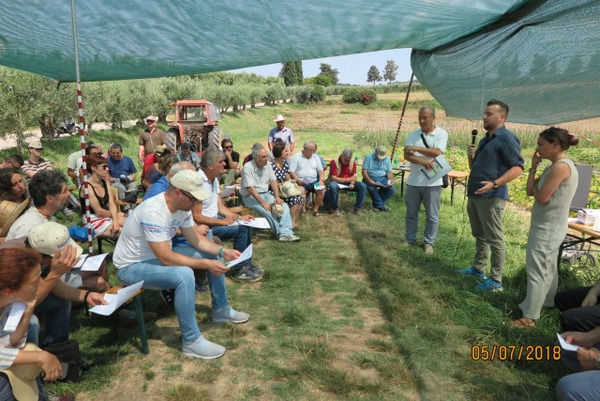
495 185
598 363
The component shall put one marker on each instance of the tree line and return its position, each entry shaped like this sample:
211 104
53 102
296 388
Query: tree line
28 100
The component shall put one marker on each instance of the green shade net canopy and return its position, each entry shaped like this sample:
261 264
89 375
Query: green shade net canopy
543 60
538 56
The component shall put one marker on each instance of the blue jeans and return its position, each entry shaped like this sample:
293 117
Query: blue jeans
241 235
380 195
57 312
281 227
331 200
579 386
181 278
430 197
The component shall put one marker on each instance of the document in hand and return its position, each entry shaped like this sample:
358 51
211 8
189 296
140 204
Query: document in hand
90 263
116 300
259 222
14 316
565 345
247 254
440 168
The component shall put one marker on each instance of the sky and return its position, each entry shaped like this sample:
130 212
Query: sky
352 69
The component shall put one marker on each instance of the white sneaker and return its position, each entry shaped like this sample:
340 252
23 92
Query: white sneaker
229 315
203 349
289 238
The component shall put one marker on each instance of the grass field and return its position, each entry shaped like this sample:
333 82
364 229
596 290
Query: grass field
346 313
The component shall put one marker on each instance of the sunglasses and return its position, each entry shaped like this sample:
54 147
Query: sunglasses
189 196
228 147
150 121
103 166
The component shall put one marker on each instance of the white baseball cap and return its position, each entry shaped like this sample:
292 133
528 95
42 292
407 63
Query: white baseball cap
381 151
190 181
50 237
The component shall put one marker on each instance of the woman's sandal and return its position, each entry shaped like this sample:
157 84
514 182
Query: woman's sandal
522 323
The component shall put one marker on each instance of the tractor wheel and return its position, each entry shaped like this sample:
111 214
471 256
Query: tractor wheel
173 141
215 136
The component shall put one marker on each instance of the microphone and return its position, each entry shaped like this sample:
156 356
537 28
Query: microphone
473 136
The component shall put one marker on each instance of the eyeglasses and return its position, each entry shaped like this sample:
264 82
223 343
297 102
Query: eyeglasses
150 121
228 147
40 149
189 196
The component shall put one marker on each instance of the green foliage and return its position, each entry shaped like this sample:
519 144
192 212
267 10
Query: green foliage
291 72
32 100
363 96
310 94
273 93
390 71
351 96
322 80
396 104
373 75
330 72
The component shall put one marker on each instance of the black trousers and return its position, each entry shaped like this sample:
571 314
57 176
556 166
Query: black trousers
574 317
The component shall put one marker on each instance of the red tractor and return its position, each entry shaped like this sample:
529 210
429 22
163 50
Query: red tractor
196 122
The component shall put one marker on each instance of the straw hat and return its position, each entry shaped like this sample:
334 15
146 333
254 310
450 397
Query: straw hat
279 118
36 144
22 378
9 212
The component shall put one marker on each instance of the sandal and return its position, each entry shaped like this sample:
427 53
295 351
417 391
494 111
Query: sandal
522 323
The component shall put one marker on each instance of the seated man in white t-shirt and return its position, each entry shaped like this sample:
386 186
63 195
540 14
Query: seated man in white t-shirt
143 252
306 168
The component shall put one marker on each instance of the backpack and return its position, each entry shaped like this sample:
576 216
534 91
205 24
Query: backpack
71 360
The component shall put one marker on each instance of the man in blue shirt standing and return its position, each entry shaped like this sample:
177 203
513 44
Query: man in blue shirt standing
377 174
496 162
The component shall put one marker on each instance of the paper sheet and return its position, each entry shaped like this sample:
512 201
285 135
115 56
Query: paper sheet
343 186
247 254
14 316
90 263
116 300
441 167
259 222
227 192
565 345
